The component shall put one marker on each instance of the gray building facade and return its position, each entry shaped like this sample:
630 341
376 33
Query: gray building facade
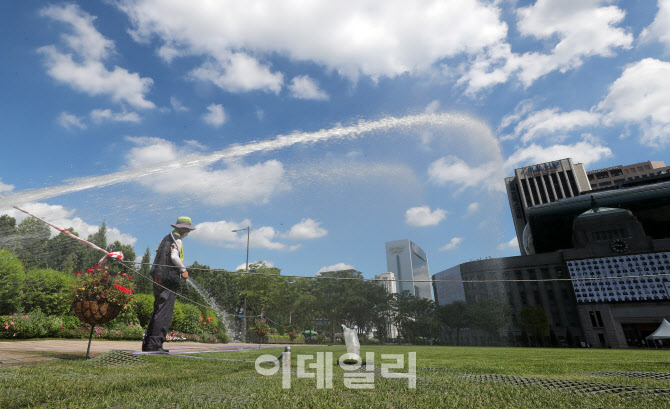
598 267
408 262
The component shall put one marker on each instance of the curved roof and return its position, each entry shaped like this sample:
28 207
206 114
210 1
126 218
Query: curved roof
603 210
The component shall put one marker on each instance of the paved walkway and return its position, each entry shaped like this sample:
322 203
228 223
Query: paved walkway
20 352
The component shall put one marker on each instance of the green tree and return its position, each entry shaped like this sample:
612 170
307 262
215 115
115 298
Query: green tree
455 317
335 298
32 237
7 232
415 317
65 253
12 276
99 238
258 288
534 321
144 283
489 315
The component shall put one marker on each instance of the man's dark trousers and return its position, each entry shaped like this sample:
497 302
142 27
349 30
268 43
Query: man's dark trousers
159 324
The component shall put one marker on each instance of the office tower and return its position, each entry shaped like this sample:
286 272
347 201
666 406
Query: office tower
409 263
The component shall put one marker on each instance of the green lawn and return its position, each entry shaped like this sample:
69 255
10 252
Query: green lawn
173 382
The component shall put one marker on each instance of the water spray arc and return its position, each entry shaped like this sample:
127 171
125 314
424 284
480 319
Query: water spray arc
279 142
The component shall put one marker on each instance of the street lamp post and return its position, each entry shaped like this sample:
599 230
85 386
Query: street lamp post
246 270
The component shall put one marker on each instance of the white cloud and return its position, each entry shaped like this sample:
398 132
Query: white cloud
63 218
70 121
423 216
521 109
352 37
237 183
101 115
513 244
221 234
83 69
550 122
587 151
215 115
454 170
303 87
570 32
432 107
658 30
5 188
585 28
472 208
85 39
239 73
336 267
453 244
640 96
307 229
176 104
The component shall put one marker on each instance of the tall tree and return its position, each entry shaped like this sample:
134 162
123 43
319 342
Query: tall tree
144 283
66 254
455 317
32 239
489 315
415 317
7 232
534 321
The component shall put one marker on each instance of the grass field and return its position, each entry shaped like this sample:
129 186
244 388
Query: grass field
444 379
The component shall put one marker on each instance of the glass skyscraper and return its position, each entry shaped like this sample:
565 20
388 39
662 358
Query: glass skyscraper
409 262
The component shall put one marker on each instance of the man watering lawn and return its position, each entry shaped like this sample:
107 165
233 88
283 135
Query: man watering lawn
166 271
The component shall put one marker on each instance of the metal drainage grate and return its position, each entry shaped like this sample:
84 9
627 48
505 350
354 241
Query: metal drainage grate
661 376
117 358
574 386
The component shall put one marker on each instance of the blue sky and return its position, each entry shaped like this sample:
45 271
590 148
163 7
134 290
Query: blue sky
181 96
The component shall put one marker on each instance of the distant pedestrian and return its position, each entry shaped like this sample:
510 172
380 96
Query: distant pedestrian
167 271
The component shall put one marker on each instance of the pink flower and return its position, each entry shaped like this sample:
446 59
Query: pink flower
15 334
11 323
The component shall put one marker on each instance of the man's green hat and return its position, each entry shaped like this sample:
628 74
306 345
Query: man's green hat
183 222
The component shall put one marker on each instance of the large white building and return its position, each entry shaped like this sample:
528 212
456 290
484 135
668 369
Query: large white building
409 263
387 280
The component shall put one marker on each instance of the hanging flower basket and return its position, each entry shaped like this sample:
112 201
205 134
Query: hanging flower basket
94 312
100 295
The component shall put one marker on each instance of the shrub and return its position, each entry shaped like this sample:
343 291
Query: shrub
12 276
144 308
48 291
186 318
34 325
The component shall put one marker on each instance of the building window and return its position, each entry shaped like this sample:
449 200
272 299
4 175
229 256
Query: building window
600 319
592 316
